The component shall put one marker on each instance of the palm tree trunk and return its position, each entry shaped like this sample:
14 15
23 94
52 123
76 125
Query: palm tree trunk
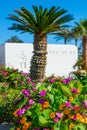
38 61
85 53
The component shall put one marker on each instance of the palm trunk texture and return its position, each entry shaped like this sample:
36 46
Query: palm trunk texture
38 61
85 53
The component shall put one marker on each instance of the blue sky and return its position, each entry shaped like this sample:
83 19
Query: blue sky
78 8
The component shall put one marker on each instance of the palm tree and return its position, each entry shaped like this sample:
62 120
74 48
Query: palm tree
82 30
42 22
14 39
75 34
64 33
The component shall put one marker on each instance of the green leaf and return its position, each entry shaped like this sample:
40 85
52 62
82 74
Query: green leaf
42 120
46 113
84 90
28 113
66 90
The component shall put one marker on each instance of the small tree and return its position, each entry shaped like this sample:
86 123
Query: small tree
14 39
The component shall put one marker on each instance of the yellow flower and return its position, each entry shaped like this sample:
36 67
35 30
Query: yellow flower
66 112
29 124
70 126
85 120
52 115
23 120
25 126
18 129
70 98
46 104
71 116
78 116
15 113
61 107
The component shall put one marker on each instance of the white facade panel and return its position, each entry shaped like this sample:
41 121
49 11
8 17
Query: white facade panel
60 58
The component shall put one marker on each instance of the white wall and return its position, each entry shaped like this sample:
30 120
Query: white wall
18 55
60 58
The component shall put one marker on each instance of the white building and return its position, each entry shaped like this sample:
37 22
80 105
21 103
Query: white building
60 58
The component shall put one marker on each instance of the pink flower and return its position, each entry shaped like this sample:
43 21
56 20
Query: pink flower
25 73
34 89
56 120
5 85
42 93
28 79
59 115
4 95
41 101
74 90
32 83
21 111
4 73
74 118
27 107
26 92
31 101
67 80
52 80
67 104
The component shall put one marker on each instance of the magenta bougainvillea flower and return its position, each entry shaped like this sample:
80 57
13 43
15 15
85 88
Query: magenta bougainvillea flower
52 80
67 80
42 93
59 115
41 101
31 101
67 104
21 111
26 92
28 79
56 120
74 90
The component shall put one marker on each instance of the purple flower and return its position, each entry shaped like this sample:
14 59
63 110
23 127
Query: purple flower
5 85
74 118
28 79
67 104
41 101
42 93
4 73
56 120
31 101
74 90
34 89
85 106
4 95
25 73
52 80
32 83
27 107
73 108
67 80
21 111
59 115
84 102
64 81
26 92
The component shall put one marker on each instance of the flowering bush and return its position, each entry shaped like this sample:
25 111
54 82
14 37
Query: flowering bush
15 79
52 105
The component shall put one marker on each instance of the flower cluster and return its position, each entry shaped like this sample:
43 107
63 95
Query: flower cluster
49 105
